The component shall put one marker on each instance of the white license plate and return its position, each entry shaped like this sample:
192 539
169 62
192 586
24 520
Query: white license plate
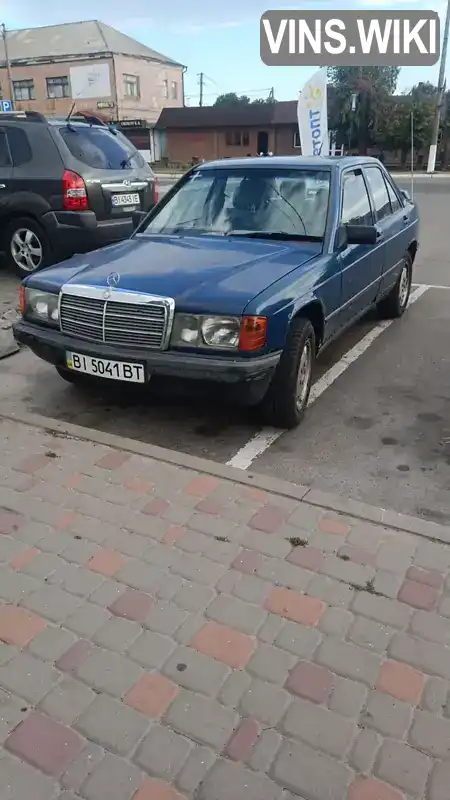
103 368
125 199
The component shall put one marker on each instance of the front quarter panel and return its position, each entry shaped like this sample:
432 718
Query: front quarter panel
317 281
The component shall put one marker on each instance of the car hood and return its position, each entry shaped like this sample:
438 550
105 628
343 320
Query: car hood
200 273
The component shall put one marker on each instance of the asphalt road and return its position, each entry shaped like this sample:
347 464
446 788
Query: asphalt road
378 432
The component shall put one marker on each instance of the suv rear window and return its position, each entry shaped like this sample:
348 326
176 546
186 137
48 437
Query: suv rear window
101 149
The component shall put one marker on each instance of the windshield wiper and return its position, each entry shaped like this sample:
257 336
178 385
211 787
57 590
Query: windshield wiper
282 236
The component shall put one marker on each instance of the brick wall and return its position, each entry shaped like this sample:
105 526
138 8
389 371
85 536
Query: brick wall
155 81
184 145
284 141
152 77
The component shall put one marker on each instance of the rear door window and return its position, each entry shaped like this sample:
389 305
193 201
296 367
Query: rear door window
100 149
379 192
19 146
395 202
5 158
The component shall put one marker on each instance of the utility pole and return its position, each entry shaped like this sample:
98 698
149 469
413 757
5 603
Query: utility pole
440 95
202 80
8 63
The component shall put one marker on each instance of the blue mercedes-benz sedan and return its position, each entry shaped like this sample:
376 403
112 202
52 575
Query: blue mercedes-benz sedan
240 276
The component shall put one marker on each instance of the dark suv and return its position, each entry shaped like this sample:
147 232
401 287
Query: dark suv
66 186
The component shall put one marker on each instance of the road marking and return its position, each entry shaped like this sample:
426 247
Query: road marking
262 440
431 286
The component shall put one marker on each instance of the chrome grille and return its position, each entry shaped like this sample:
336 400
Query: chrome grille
115 321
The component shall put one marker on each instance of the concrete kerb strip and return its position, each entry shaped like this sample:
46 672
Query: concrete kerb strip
314 497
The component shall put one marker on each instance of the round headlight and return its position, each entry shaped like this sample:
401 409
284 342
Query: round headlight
189 330
41 307
221 331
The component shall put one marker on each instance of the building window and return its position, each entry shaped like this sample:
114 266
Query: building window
58 87
1 93
174 90
296 142
237 138
166 88
131 86
24 90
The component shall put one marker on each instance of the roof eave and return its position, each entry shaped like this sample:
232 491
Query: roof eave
95 54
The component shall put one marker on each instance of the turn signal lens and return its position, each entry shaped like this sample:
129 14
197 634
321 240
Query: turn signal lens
22 300
253 333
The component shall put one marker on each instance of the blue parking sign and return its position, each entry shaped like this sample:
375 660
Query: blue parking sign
6 105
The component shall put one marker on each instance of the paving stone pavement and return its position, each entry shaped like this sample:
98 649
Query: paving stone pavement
166 634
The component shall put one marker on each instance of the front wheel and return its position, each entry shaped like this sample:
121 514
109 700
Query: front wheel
287 397
394 304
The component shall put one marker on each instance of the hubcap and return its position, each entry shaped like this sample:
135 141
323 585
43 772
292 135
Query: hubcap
26 250
304 374
403 286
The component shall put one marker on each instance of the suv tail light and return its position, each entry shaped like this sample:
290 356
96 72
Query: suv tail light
74 192
155 197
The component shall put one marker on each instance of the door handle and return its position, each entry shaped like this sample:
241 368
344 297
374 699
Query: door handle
2 186
405 219
379 235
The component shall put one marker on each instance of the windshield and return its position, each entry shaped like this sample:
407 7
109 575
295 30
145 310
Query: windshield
99 148
264 202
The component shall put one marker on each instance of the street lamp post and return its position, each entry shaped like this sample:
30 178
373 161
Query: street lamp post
8 63
440 96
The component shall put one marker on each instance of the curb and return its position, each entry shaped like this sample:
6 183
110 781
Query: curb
379 516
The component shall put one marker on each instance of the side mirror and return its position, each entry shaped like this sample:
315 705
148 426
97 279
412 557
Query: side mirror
361 234
406 195
137 217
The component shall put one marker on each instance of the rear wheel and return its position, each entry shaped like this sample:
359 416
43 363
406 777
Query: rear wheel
395 303
285 402
26 245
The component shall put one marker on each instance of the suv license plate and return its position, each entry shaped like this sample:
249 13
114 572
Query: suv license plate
103 368
125 199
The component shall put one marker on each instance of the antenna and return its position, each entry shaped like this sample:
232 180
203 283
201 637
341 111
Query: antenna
71 111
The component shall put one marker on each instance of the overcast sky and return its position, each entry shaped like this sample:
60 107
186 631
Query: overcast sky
219 39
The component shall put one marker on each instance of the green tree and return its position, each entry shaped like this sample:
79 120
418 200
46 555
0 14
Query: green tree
394 130
371 87
233 99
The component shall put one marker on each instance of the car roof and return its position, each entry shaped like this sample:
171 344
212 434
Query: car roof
291 162
75 123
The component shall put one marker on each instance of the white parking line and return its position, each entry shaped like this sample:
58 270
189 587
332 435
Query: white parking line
431 286
262 440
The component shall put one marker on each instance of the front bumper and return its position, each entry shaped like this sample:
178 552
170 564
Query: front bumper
254 374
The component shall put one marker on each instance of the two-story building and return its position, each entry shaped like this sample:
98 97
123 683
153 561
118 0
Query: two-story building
95 67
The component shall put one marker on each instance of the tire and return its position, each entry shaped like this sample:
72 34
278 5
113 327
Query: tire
395 303
284 406
22 234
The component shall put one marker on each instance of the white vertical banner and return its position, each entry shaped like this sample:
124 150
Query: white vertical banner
312 116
